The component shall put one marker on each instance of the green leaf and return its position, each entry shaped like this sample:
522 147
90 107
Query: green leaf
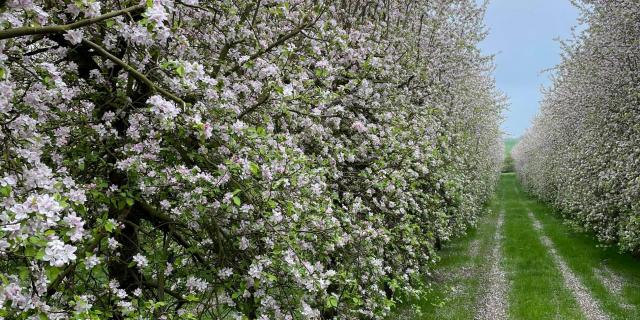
109 226
332 302
394 285
236 200
5 191
180 70
130 202
191 298
24 273
255 169
63 203
30 251
321 73
52 272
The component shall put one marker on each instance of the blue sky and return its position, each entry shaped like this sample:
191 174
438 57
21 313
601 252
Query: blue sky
522 34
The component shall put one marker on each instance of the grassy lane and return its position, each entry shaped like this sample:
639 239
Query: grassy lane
612 278
535 286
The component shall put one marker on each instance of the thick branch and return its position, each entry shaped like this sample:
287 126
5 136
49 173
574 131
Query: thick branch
153 284
29 31
261 100
166 224
135 73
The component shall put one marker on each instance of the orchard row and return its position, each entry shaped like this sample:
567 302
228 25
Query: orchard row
237 159
583 152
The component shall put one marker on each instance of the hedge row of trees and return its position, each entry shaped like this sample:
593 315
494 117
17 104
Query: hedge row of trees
237 159
583 151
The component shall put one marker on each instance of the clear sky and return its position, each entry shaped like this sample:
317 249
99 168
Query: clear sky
522 34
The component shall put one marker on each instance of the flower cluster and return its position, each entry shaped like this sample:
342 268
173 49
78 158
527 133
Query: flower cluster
237 159
582 152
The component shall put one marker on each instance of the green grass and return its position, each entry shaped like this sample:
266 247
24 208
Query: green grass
583 256
536 288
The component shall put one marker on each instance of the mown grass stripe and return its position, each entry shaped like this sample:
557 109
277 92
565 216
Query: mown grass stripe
536 289
596 266
589 306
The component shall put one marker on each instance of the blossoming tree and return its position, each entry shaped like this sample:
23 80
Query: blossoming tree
582 152
236 159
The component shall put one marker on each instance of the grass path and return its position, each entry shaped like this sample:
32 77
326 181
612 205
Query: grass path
522 262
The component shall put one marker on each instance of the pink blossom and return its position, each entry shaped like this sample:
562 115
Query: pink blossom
163 108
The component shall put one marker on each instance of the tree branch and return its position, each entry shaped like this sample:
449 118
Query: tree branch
172 293
261 100
135 73
52 287
28 31
166 224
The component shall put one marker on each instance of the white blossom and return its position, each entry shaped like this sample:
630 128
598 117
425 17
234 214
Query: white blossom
140 261
74 36
57 253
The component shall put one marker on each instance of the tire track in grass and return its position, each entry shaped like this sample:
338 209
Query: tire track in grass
535 282
612 281
614 284
493 305
589 306
597 270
